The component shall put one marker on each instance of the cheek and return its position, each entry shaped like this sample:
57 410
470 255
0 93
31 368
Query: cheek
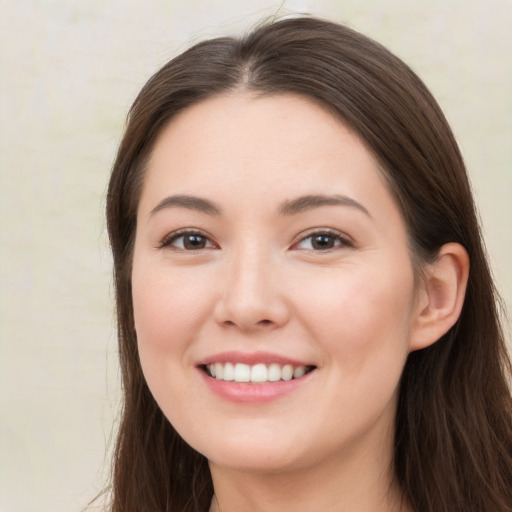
362 323
167 306
167 312
358 313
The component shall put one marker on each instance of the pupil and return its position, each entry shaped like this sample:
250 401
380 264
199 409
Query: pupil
322 242
194 242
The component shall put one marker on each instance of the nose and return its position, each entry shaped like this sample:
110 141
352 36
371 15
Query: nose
251 295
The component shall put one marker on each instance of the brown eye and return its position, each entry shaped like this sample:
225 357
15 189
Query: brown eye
190 241
323 241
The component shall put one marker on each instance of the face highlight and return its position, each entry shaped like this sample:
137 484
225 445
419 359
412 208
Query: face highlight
273 289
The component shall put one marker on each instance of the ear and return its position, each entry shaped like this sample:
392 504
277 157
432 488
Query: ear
441 295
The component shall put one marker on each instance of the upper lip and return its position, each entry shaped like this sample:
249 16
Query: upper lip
251 358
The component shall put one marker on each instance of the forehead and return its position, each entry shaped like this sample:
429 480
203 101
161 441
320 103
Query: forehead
253 148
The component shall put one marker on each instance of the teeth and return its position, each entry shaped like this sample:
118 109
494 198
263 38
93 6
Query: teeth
229 371
259 373
240 372
219 371
299 372
287 372
274 373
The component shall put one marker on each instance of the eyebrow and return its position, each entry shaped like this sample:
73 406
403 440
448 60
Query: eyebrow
310 202
189 202
290 207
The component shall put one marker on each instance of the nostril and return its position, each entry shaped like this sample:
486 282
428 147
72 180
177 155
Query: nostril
265 322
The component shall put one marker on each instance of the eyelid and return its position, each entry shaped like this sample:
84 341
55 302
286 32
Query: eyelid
346 241
166 241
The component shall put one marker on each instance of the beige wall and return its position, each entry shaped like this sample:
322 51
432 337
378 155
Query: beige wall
68 72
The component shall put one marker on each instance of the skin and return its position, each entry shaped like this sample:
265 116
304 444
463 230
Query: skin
258 283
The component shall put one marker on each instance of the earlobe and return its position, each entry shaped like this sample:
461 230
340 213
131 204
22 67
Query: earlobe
441 296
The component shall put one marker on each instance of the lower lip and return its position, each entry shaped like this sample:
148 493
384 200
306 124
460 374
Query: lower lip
253 392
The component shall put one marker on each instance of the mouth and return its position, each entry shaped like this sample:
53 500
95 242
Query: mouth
255 374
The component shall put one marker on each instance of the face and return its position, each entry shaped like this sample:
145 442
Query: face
273 289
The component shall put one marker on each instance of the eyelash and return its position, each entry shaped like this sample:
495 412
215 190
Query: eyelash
340 241
173 237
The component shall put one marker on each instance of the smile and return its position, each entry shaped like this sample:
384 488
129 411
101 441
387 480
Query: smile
257 373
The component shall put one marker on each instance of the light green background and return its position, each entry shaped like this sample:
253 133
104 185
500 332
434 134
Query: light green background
68 73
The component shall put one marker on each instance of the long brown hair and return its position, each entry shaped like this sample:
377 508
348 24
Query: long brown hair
453 441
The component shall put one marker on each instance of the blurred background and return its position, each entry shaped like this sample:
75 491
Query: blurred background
69 70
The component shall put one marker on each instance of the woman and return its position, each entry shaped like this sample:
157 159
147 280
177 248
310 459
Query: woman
306 316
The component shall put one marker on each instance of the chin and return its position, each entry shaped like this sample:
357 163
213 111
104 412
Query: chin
256 452
254 460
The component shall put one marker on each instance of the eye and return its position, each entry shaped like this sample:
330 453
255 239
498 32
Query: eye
187 241
323 241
